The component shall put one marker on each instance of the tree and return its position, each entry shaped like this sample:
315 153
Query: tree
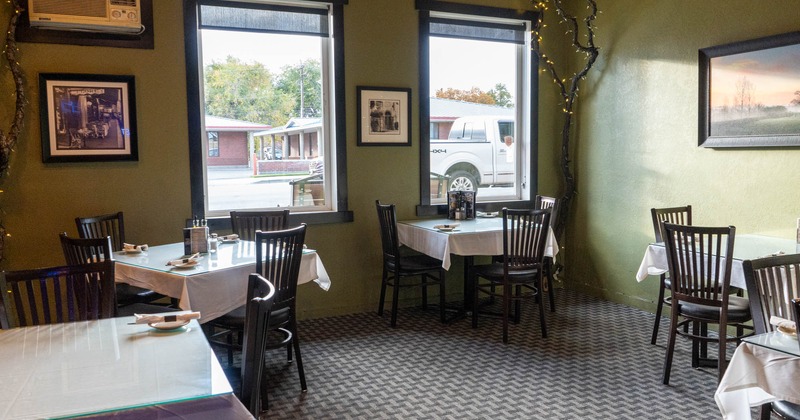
244 91
568 89
474 95
744 95
796 100
501 95
303 82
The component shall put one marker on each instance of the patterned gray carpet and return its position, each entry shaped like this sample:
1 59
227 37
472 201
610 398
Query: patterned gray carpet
597 363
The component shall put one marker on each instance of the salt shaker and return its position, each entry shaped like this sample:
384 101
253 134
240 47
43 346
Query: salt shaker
213 243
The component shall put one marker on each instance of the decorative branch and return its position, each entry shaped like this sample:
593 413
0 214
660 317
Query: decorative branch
568 91
9 140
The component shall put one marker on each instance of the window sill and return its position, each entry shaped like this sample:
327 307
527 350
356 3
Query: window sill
427 210
224 223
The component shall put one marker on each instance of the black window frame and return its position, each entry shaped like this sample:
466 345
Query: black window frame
425 7
195 127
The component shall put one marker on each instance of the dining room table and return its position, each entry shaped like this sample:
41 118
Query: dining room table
764 368
215 285
112 368
746 247
481 236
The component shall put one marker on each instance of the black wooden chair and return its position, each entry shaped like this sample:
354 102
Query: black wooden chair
545 202
772 285
260 296
524 241
246 223
113 226
57 294
278 255
399 264
674 215
699 260
83 251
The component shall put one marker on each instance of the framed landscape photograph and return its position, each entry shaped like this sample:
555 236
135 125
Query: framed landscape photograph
384 116
87 117
750 93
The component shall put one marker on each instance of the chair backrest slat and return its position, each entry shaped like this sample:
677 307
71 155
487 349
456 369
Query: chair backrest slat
772 285
57 294
390 242
246 223
101 226
278 255
699 260
84 251
524 237
675 215
260 296
545 202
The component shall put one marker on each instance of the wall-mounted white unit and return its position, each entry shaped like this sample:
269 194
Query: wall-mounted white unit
119 16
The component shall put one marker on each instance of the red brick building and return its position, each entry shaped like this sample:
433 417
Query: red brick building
230 142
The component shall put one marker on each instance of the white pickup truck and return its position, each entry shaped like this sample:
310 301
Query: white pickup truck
474 153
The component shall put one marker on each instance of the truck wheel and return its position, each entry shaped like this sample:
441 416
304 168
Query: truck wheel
463 181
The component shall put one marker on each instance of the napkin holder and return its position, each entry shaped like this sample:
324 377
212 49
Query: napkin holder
461 205
195 239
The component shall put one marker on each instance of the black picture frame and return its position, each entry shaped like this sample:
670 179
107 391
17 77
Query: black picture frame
732 112
383 116
87 117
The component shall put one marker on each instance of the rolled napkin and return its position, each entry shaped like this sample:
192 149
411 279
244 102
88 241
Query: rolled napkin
783 323
774 254
133 248
152 319
186 260
231 237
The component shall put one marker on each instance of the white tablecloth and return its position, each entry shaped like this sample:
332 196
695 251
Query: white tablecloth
473 237
212 288
757 375
746 247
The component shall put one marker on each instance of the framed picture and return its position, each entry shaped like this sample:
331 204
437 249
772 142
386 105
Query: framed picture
384 116
87 117
750 93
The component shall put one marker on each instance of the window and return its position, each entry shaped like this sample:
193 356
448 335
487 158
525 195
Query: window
478 79
213 144
262 77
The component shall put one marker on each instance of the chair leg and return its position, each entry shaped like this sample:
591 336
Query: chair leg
442 314
722 360
766 411
550 280
395 299
230 348
518 305
542 321
425 279
296 344
659 307
506 309
264 393
474 301
695 345
383 291
673 332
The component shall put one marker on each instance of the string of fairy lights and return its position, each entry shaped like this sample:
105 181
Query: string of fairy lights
8 140
587 47
568 87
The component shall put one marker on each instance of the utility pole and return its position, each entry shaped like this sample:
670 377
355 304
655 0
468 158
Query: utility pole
302 100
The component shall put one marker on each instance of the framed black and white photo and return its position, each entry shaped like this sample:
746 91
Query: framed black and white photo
87 117
384 116
750 93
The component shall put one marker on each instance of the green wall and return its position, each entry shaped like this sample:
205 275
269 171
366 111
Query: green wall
42 200
637 140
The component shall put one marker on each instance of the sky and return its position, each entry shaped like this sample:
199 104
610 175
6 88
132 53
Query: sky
488 63
774 74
